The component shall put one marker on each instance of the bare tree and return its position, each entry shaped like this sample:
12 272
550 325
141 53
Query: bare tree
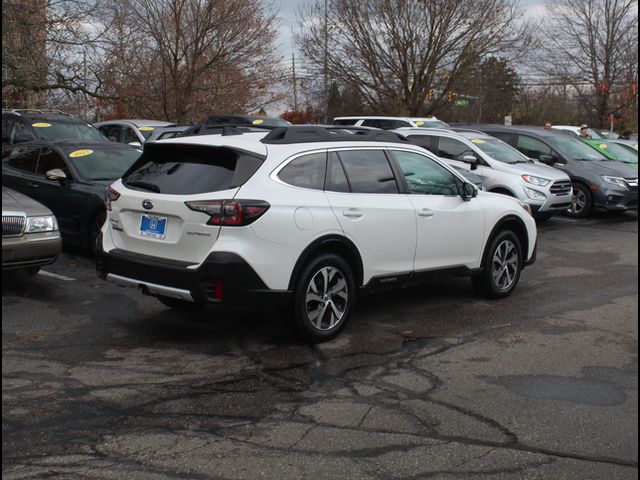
198 56
47 46
592 46
394 51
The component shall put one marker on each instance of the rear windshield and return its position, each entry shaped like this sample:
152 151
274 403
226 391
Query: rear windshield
176 169
51 129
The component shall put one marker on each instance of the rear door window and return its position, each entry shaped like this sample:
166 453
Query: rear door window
425 141
368 171
191 169
307 171
22 158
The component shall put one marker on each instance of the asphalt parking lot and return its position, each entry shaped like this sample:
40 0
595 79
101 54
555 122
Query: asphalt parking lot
430 382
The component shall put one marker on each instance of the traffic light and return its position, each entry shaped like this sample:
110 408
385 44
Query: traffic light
430 95
449 96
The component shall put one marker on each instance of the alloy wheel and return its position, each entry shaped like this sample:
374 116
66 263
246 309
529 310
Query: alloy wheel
327 298
505 265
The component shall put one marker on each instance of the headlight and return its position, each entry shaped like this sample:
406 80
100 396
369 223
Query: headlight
41 224
616 181
534 194
538 181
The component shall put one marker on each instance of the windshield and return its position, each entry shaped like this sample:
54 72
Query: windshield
48 130
498 150
619 152
103 163
575 149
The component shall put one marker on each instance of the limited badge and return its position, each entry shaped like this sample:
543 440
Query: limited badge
80 153
41 125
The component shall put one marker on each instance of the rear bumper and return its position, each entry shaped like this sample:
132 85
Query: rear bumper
223 278
30 250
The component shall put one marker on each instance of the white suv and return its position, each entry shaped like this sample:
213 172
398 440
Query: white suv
305 217
502 168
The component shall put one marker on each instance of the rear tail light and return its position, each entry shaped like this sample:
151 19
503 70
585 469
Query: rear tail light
231 213
110 196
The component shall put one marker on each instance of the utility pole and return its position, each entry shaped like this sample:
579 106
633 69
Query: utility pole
326 62
295 83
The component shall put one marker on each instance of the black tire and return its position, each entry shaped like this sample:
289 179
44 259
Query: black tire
32 271
581 203
493 283
335 299
182 305
94 230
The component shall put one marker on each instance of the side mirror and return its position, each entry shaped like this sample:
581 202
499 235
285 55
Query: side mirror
56 174
471 160
469 191
135 144
547 160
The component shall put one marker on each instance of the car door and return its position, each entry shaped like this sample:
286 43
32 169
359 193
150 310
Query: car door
70 205
450 230
365 197
19 164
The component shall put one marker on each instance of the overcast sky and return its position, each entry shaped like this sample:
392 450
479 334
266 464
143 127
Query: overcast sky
288 8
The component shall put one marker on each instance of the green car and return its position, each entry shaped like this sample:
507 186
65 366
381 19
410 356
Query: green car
615 151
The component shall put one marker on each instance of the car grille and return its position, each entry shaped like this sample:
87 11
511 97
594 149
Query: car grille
633 184
561 188
12 225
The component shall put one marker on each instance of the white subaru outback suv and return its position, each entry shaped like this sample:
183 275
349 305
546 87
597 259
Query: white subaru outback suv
502 168
306 217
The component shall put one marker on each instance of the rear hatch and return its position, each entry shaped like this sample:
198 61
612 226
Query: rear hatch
166 199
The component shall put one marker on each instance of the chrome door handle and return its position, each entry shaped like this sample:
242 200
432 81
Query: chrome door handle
425 212
352 213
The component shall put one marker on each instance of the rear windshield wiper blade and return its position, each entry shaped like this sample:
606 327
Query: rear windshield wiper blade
144 185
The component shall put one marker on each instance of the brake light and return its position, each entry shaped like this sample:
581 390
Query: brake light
110 196
230 213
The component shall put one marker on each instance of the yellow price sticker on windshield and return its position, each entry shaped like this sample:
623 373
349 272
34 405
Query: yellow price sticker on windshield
41 125
80 153
420 123
257 122
477 140
603 145
145 129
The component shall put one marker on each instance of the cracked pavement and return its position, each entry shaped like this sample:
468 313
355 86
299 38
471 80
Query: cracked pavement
429 382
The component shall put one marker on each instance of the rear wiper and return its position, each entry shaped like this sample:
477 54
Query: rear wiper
144 185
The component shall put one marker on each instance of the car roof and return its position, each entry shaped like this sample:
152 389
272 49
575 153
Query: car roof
370 117
138 122
44 115
66 144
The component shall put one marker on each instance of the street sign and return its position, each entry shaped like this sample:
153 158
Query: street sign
461 102
507 120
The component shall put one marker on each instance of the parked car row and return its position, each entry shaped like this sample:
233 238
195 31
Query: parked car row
243 210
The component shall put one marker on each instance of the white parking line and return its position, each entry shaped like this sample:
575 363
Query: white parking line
55 275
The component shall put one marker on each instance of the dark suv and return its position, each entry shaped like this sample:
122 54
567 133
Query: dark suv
598 183
35 124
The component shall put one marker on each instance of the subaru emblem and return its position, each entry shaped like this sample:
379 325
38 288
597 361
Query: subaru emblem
147 205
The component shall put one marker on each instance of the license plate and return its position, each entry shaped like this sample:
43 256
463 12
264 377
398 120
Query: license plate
152 226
